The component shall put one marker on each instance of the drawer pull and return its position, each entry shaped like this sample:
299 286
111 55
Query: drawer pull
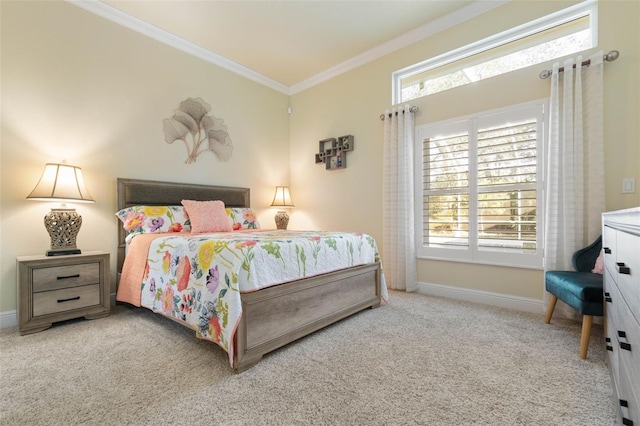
625 421
64 277
625 346
607 250
69 299
623 269
609 347
607 298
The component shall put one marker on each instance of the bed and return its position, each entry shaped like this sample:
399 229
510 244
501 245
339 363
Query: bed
270 316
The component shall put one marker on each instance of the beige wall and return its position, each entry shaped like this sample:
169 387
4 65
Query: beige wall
351 104
79 87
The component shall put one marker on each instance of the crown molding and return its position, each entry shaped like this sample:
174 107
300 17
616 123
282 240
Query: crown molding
475 9
115 15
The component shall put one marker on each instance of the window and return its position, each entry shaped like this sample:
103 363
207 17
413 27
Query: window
479 187
563 33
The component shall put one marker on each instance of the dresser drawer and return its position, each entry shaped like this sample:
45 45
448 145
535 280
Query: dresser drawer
609 237
58 277
627 340
628 270
614 302
628 400
66 299
612 347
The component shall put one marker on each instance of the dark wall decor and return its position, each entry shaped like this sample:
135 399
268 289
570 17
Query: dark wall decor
199 132
333 152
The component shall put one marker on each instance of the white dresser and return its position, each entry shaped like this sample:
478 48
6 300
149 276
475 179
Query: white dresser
621 245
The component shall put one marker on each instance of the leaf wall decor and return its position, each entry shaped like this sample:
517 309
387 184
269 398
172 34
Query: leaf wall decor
199 131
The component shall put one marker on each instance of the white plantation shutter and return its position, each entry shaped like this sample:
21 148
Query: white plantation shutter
480 187
446 196
507 165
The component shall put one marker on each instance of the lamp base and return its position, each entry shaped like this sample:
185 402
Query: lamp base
62 252
63 226
282 219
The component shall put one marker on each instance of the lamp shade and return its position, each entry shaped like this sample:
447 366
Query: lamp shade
61 182
282 198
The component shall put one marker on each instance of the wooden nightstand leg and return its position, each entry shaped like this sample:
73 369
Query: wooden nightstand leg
38 329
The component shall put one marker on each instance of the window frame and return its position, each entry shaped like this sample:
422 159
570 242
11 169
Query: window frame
586 8
471 254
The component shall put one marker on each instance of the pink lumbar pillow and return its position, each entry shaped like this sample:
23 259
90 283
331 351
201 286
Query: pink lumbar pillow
599 266
207 216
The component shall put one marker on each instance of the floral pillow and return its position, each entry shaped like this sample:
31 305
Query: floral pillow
242 218
154 219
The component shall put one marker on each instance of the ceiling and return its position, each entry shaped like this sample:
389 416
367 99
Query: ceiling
288 44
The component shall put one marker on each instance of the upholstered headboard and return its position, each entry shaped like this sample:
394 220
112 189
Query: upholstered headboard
136 192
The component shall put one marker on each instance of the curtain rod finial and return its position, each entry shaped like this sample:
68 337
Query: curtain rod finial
612 56
545 74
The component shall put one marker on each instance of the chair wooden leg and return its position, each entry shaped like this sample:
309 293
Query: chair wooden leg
587 321
552 306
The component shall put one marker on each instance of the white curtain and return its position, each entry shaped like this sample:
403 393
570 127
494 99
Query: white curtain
399 257
575 164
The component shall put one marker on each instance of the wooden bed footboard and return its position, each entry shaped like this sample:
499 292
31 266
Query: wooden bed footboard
278 315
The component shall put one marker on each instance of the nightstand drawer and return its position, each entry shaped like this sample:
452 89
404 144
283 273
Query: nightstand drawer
59 277
50 302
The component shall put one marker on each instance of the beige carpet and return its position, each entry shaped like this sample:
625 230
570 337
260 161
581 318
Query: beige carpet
417 361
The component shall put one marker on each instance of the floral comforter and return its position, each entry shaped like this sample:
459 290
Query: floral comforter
197 279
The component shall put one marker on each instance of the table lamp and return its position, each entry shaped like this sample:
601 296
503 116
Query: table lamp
282 198
62 182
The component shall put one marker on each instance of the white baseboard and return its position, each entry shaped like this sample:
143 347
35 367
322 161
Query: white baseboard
518 303
8 319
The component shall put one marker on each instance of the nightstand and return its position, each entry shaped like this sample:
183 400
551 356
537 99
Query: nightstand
58 288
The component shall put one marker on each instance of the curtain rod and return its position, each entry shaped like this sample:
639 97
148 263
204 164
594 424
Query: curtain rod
412 109
609 57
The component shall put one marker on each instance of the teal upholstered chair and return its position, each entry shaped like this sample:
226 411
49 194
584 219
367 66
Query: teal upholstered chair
581 289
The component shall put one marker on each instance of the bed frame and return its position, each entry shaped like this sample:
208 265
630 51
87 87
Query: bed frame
274 316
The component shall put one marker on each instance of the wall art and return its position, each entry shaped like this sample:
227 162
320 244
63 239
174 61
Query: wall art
199 131
332 152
